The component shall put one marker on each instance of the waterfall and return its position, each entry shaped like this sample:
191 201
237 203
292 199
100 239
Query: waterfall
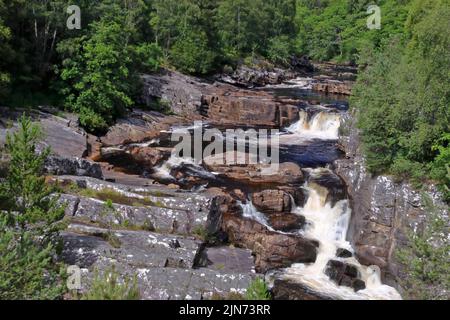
164 170
323 125
328 224
250 211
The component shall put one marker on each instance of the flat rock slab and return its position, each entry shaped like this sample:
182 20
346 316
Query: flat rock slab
183 284
164 265
168 211
154 218
84 245
63 135
230 259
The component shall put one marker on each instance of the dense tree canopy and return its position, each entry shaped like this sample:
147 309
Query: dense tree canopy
403 97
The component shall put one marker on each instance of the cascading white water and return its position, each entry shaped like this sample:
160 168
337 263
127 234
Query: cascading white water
323 125
250 211
328 224
297 83
164 170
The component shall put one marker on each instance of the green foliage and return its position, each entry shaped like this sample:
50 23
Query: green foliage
337 29
5 36
148 57
440 168
28 272
108 286
426 258
30 220
402 97
257 290
101 84
24 191
191 53
280 49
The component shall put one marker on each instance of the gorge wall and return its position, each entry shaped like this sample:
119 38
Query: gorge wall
383 210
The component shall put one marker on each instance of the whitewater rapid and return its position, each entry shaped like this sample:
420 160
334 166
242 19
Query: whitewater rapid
329 225
323 125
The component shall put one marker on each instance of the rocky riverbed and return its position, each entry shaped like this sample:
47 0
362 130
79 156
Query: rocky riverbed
200 230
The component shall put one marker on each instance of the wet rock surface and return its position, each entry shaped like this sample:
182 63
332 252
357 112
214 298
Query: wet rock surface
272 249
286 173
284 289
344 274
286 222
272 201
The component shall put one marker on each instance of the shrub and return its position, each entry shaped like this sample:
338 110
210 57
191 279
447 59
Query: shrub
257 290
425 259
107 286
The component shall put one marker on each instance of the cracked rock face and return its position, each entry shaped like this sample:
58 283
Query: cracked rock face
163 270
383 211
180 213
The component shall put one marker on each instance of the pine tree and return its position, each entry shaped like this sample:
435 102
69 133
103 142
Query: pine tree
30 220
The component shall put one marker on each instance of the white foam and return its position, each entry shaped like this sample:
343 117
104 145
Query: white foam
328 225
323 125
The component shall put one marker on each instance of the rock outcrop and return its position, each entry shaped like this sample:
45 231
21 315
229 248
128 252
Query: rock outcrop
384 211
333 87
271 249
286 173
72 166
259 76
284 289
272 201
61 132
181 93
220 103
166 267
225 105
344 274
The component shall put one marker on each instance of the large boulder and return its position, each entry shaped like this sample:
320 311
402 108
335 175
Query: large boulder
272 249
181 93
225 106
138 126
331 183
286 222
334 87
149 156
272 201
55 165
286 173
344 274
285 289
